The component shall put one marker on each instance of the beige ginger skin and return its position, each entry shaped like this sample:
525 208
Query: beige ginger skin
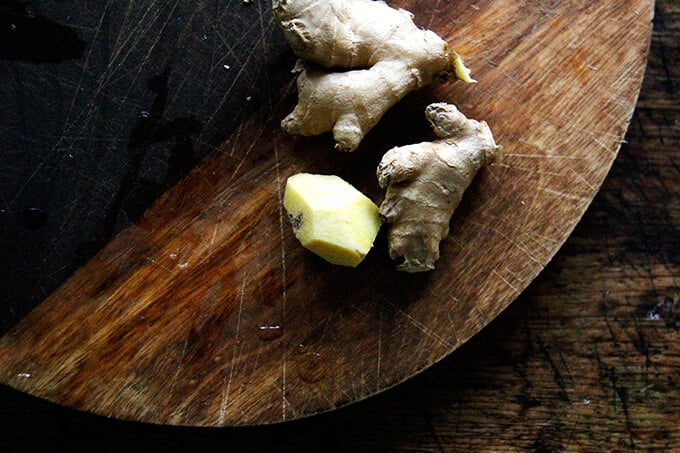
425 184
360 57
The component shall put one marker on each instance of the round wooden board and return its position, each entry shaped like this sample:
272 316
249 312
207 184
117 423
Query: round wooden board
207 312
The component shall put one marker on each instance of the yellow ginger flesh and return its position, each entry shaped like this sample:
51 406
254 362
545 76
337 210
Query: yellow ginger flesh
331 218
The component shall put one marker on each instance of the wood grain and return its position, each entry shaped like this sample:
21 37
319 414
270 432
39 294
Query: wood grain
207 312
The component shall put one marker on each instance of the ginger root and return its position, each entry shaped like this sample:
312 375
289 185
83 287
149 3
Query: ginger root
425 184
360 58
331 218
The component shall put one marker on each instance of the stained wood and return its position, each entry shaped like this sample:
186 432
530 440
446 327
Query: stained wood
207 312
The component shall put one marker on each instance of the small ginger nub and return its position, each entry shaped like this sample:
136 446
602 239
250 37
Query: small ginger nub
425 184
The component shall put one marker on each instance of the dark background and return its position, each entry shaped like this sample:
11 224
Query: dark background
587 359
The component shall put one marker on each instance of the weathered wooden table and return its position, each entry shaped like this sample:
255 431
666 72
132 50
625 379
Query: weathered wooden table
587 359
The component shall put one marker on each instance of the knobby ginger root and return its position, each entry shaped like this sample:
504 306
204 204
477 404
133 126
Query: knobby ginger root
331 218
360 58
425 183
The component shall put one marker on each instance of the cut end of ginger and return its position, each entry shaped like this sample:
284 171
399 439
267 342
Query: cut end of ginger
462 72
331 218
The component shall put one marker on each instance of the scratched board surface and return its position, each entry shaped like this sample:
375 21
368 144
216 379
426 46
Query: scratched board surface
104 105
141 217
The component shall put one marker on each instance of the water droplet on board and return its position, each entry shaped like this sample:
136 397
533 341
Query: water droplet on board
269 332
309 366
34 218
24 375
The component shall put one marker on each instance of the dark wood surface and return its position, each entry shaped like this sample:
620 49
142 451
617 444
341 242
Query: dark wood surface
207 312
586 359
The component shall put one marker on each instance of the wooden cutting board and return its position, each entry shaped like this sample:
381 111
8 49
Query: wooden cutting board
208 312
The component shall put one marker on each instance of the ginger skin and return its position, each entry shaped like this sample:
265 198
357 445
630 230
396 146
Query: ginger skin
360 58
425 184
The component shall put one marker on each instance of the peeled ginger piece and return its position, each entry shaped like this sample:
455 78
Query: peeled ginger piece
331 218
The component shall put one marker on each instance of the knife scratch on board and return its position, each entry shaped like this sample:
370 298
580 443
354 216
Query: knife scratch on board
419 325
504 280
